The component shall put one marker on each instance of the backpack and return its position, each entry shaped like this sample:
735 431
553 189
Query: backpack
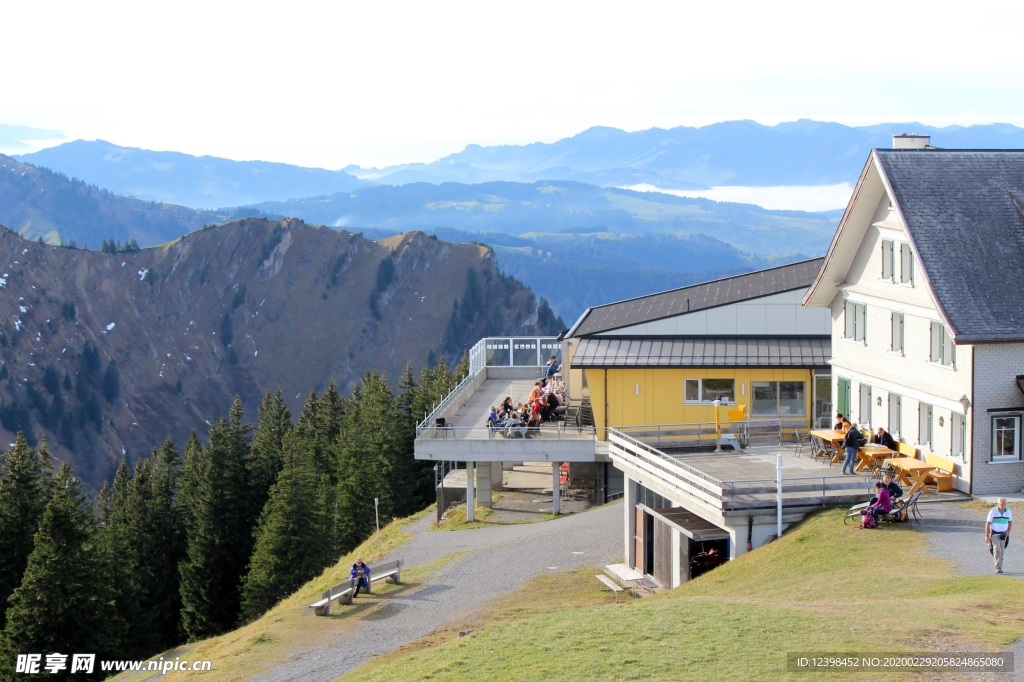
867 520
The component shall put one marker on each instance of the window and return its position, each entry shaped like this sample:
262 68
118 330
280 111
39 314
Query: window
897 333
924 425
942 349
843 395
709 390
888 261
865 406
1006 438
895 415
856 320
776 398
958 443
906 264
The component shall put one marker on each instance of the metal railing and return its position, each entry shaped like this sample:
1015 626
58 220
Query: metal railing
699 434
549 431
752 494
513 351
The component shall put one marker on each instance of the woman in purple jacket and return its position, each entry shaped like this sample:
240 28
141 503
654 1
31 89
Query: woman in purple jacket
884 503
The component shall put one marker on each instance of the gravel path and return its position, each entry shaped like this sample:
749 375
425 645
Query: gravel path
499 561
957 532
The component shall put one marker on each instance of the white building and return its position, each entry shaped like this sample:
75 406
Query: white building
924 283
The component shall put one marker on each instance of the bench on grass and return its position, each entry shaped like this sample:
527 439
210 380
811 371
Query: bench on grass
343 592
942 476
616 589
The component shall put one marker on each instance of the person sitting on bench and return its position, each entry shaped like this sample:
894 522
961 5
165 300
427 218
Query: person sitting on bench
361 573
883 437
882 504
895 491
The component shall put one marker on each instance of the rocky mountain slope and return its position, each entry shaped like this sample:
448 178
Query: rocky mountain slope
108 353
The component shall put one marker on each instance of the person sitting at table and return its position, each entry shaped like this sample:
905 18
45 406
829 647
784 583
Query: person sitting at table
882 505
839 422
895 491
882 437
851 443
492 418
845 426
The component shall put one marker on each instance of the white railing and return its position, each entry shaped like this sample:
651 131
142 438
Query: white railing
737 495
513 351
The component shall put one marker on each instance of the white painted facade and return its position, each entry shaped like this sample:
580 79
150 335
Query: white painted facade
774 315
904 383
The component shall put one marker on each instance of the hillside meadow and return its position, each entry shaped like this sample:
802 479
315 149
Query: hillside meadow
824 587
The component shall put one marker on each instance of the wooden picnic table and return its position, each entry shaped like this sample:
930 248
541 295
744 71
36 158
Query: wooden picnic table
833 438
868 454
912 471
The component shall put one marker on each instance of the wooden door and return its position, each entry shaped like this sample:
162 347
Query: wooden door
662 553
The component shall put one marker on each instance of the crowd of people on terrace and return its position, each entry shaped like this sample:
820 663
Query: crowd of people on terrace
546 396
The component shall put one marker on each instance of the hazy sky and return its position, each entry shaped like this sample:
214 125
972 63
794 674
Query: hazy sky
378 83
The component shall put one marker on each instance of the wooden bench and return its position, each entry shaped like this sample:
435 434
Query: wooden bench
617 590
943 474
343 592
906 450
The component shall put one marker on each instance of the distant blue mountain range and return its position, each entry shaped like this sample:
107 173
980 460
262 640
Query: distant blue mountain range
195 181
802 152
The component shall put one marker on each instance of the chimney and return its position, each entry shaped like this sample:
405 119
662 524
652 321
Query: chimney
906 141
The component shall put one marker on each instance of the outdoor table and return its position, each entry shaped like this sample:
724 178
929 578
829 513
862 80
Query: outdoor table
868 454
832 438
912 471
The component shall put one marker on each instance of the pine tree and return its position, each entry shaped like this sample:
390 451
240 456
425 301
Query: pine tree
118 555
219 532
163 546
63 603
291 546
25 485
274 422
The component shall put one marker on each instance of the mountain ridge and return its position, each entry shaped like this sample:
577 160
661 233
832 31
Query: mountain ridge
237 309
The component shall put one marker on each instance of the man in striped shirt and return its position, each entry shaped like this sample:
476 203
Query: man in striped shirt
997 531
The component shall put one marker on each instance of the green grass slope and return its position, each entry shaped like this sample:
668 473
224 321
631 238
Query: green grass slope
824 587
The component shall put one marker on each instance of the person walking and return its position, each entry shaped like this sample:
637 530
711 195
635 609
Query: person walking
851 443
997 532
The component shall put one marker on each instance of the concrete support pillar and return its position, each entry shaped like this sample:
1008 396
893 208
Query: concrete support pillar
556 489
629 522
470 491
484 484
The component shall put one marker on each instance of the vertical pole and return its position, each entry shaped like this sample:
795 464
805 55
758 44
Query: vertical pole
778 484
718 429
556 489
376 516
470 492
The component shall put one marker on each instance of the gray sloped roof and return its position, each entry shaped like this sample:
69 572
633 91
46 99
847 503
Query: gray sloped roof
962 210
723 351
696 297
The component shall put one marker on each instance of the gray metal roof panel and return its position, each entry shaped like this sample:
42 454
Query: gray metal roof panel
704 352
961 209
696 297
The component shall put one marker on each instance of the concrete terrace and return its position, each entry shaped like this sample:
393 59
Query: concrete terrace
466 437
